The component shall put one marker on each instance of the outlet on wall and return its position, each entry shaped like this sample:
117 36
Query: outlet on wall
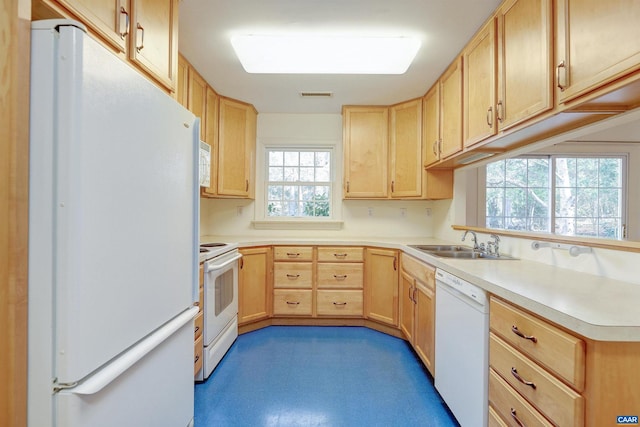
370 211
403 212
239 210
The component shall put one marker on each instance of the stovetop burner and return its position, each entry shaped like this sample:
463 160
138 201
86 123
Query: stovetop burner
203 250
212 245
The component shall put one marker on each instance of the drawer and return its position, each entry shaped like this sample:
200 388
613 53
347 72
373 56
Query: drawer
198 325
557 401
340 254
197 355
340 275
291 253
293 275
423 272
557 350
292 302
339 303
494 419
514 410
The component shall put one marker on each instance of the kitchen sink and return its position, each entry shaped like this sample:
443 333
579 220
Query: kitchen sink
458 252
442 248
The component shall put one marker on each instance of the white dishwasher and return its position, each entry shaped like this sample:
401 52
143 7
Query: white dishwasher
462 348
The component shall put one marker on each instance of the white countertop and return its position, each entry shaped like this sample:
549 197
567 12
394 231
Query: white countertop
595 307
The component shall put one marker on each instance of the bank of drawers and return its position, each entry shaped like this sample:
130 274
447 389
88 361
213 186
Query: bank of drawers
340 282
536 370
322 281
293 281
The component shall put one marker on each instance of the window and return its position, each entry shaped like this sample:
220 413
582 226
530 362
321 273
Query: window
299 183
566 195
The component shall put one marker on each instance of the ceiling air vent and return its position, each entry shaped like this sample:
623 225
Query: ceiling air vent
316 94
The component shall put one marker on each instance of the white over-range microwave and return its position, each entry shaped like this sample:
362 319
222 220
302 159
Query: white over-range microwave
205 164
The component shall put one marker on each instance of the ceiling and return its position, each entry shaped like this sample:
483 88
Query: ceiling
444 26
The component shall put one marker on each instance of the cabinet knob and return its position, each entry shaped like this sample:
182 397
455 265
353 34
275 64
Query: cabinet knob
490 117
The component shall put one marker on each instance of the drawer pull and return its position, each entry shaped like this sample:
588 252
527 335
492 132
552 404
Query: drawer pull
515 418
293 254
339 303
531 338
340 276
196 330
293 302
514 372
196 359
293 276
341 256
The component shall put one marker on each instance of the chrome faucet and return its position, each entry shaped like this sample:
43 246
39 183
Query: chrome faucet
474 239
493 248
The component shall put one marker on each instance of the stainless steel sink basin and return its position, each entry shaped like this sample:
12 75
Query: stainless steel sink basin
439 248
458 252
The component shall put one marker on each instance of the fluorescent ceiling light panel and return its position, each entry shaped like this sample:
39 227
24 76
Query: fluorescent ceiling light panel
314 54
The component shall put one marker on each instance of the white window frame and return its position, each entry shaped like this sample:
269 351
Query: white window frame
263 221
482 199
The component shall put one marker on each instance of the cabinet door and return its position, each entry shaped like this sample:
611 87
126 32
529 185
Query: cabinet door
381 286
406 305
366 133
197 99
597 42
424 339
451 110
254 285
406 149
182 85
211 138
525 51
234 132
250 156
480 86
107 18
154 39
431 125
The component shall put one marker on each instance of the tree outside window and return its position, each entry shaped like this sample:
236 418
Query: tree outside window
566 195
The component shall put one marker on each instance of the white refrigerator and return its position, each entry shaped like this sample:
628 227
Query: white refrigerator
113 246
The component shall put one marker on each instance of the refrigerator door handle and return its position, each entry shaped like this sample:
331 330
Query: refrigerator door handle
111 371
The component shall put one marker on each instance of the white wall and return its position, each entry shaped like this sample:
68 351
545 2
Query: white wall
222 217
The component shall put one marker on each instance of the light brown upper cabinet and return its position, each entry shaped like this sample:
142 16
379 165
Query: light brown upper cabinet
597 42
366 145
443 115
144 31
154 38
525 80
197 99
406 149
236 148
211 137
480 81
384 155
182 84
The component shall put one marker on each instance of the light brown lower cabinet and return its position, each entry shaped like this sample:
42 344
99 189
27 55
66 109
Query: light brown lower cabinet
417 319
544 375
254 285
381 285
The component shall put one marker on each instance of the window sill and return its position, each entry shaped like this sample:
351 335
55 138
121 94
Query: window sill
297 225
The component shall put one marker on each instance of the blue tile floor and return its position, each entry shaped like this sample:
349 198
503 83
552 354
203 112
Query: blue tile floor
319 376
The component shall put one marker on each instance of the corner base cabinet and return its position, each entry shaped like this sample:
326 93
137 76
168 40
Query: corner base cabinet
254 285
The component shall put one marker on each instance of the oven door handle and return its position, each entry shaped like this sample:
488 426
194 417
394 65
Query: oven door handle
212 267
